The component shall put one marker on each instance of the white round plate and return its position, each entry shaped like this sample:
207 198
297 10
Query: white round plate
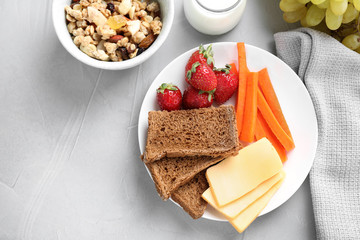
294 99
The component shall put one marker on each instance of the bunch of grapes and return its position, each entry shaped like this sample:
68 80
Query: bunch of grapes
339 18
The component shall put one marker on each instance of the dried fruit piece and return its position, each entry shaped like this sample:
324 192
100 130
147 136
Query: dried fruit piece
140 51
146 42
110 7
124 53
116 22
116 38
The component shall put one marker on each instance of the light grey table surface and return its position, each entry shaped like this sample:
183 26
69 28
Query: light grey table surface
69 154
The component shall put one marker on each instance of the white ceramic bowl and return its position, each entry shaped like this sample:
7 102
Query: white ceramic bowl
58 12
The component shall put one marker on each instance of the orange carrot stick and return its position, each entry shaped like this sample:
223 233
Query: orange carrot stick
240 100
270 136
250 109
269 93
242 56
233 69
274 125
259 129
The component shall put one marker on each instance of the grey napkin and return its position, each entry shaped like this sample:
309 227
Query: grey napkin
331 73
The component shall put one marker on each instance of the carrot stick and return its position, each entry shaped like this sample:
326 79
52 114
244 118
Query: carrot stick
250 109
242 56
261 123
243 72
267 89
259 129
233 69
274 125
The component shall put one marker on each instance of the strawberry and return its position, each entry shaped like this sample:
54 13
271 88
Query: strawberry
201 77
169 97
227 83
202 55
194 98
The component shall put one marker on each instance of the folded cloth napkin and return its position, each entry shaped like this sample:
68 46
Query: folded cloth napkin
331 73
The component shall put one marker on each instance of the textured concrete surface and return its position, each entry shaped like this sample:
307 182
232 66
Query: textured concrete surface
69 155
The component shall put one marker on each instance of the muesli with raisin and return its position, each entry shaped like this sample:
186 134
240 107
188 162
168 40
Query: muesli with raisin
111 30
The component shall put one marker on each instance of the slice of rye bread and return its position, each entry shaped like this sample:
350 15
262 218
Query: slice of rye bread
169 174
197 132
188 196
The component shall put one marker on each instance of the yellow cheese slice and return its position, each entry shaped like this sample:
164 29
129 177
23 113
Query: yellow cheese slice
238 175
246 217
233 209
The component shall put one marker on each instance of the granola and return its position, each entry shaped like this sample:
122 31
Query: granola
113 30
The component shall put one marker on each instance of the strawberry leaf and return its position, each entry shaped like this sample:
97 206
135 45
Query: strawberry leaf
168 86
172 88
209 97
192 70
194 66
160 90
210 93
226 70
201 49
188 74
208 53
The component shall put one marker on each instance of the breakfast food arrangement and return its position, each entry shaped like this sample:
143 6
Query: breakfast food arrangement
113 30
180 119
202 151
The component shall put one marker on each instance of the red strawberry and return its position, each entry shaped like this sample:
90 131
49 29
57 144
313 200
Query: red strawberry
227 83
202 77
194 98
202 55
169 97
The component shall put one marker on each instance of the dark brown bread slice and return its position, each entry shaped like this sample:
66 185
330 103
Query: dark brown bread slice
189 197
170 173
197 132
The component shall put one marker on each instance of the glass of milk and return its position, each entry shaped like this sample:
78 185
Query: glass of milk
214 17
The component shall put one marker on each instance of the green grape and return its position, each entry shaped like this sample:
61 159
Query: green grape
289 6
292 17
352 41
333 21
317 1
314 15
338 7
337 18
324 5
303 22
350 14
357 4
303 1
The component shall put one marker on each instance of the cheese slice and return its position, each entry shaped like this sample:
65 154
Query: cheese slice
233 209
246 217
238 175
